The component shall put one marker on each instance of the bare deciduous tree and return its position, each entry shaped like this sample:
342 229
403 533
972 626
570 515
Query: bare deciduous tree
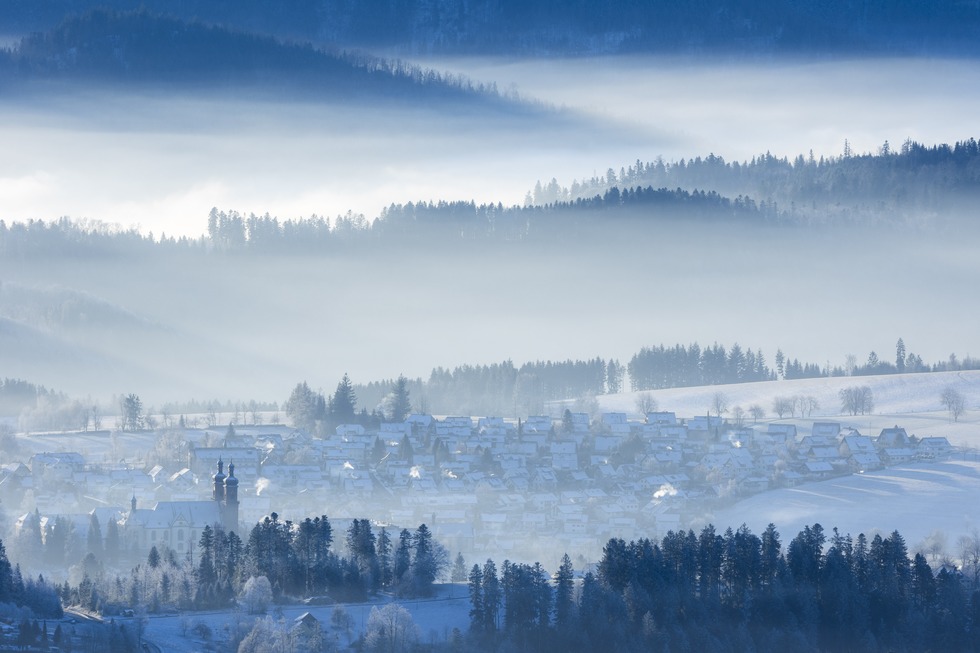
719 402
856 400
953 402
645 403
782 406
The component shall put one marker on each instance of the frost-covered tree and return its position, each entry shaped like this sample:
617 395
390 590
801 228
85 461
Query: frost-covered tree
257 594
391 629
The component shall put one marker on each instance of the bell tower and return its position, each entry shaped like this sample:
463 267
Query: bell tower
229 506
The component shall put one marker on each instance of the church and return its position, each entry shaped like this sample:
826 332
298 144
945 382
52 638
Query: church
179 524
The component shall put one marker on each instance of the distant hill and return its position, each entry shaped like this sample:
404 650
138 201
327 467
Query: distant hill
900 183
557 27
139 48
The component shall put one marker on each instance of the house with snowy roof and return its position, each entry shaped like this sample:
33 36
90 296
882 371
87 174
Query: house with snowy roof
893 437
825 429
933 448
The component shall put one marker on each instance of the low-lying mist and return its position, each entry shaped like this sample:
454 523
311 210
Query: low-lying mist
252 325
228 326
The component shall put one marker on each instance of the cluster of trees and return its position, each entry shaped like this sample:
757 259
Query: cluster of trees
310 410
278 559
57 543
802 405
498 388
39 409
510 27
735 590
37 595
857 400
299 560
17 394
852 185
658 367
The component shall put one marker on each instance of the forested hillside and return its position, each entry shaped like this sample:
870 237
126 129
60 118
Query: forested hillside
141 48
885 185
551 26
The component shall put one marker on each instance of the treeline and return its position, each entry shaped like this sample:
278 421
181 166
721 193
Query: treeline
17 395
138 47
732 591
496 389
508 389
468 221
551 26
856 186
233 232
881 187
659 367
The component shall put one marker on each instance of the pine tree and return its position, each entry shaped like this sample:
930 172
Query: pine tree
399 404
343 404
491 596
424 567
459 569
478 620
95 545
564 591
112 540
403 557
153 559
383 548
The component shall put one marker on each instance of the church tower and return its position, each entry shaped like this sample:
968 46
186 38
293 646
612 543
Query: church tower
229 507
218 493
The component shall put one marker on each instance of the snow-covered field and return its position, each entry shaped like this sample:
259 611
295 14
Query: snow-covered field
894 394
909 400
918 500
436 619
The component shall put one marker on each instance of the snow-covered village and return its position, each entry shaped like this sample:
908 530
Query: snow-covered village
529 489
438 326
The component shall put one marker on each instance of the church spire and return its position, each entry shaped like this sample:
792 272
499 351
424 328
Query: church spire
218 493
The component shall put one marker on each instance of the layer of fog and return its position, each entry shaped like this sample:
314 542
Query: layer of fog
739 109
161 161
246 329
253 327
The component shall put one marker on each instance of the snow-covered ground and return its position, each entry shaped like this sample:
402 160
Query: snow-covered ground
436 619
917 500
894 394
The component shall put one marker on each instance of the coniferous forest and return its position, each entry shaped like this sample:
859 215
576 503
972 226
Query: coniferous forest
706 591
732 591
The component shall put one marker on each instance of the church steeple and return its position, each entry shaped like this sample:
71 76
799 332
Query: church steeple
229 507
218 493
